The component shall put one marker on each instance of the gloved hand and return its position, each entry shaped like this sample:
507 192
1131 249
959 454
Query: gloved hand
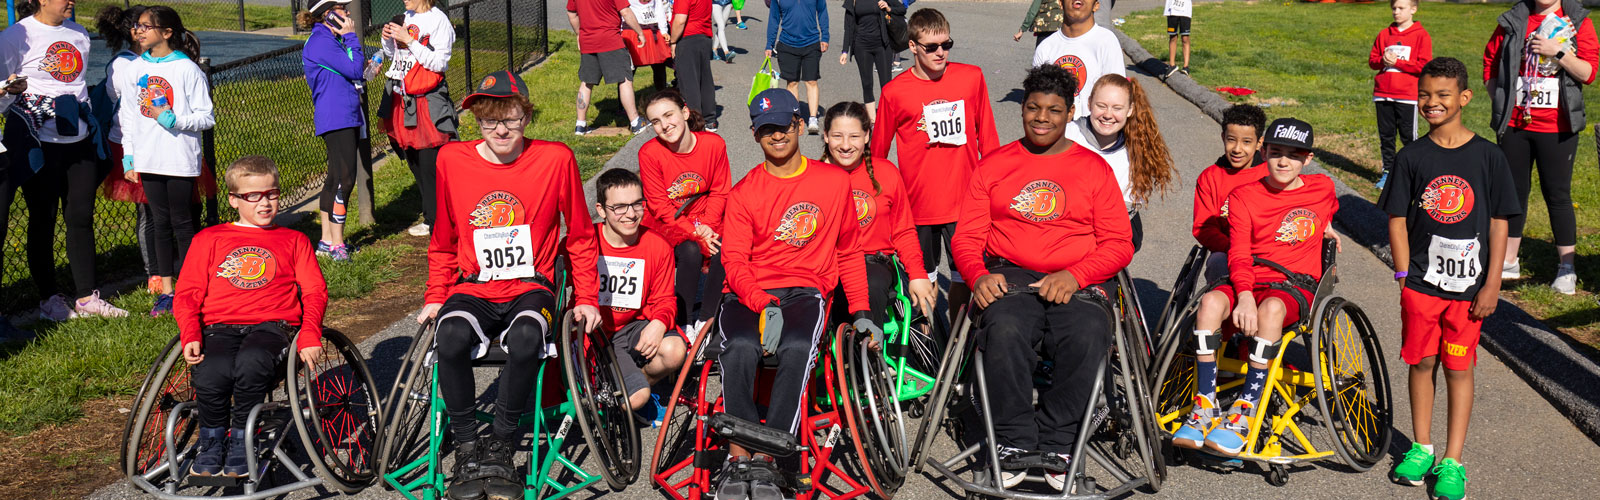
863 324
771 326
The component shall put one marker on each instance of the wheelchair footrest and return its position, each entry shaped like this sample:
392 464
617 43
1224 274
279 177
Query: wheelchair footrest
217 481
1219 461
1036 459
754 436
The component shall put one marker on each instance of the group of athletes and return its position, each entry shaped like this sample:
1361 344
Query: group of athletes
767 263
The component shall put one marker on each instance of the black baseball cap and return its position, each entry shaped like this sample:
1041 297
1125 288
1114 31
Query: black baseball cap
498 84
1289 132
773 107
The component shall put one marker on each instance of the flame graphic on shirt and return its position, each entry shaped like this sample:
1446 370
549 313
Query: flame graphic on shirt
62 61
1039 201
865 208
1448 199
799 224
922 120
496 209
1298 226
248 267
687 184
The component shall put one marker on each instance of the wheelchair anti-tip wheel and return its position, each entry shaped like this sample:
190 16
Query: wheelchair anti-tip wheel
1355 399
872 409
338 412
144 444
595 381
405 432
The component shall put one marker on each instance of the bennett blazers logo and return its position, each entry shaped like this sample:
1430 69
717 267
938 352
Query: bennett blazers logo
496 209
1448 199
687 184
865 207
248 267
62 61
1040 201
799 224
1298 226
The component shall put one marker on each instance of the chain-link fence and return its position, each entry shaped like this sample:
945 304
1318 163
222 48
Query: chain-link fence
263 106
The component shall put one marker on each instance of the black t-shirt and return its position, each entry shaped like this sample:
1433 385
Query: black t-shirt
1448 197
867 21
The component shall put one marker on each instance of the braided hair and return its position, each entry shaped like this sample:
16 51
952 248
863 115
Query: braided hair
858 111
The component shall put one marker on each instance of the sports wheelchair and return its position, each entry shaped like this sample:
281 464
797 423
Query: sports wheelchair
1118 435
331 408
1330 362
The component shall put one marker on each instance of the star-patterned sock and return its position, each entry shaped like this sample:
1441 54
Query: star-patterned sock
1255 381
1205 379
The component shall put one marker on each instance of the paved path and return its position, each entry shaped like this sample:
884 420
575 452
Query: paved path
1519 448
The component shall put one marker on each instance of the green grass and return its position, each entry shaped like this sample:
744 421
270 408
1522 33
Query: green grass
1310 61
201 14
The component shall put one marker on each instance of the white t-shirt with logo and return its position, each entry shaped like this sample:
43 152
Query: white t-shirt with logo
1087 57
156 149
1180 8
434 38
53 58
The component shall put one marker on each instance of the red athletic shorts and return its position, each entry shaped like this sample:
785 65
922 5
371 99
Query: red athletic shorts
1291 302
1430 325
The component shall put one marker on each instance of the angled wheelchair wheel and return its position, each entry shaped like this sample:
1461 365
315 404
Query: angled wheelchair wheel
1183 292
950 365
144 446
672 459
405 410
1355 397
872 410
604 415
337 413
1140 440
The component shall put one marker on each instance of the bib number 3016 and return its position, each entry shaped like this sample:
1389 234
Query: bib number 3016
504 253
1453 265
946 122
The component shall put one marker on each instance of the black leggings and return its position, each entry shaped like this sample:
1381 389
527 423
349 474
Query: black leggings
70 178
171 206
693 65
341 172
881 277
424 167
866 60
467 324
41 193
1554 153
241 364
689 261
935 241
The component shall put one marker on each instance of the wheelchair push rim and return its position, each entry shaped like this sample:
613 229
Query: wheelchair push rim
1355 397
871 410
595 383
336 412
406 409
144 445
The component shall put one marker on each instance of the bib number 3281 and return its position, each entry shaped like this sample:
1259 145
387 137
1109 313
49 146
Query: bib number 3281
504 253
946 122
1453 265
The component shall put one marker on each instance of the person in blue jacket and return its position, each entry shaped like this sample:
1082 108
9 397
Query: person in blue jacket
335 69
798 31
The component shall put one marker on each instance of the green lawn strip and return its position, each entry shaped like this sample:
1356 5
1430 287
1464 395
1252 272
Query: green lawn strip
201 15
1310 61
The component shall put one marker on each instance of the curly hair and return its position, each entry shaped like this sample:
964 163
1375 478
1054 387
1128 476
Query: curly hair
1050 80
1150 167
1245 115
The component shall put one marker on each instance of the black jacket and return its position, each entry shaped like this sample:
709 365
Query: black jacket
896 8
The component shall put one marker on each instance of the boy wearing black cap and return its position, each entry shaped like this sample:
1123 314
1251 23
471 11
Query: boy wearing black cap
1281 220
490 264
790 235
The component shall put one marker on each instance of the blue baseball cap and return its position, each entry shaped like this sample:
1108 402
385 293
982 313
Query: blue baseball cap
773 107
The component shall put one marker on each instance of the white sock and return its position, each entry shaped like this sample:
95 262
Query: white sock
1428 447
582 123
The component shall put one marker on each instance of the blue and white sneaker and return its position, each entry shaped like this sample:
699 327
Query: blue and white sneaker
1383 180
1204 418
209 450
162 306
1227 439
652 412
324 248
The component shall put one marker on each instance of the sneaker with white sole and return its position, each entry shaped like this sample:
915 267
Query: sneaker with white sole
1192 434
94 306
1058 480
1010 477
1566 280
56 308
1512 271
421 229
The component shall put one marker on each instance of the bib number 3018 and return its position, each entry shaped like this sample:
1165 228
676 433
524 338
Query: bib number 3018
946 122
1453 265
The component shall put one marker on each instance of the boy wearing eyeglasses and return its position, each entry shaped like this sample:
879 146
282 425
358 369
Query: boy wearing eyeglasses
491 271
244 290
637 281
1081 47
939 113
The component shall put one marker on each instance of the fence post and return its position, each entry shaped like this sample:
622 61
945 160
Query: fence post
241 15
511 42
208 151
466 19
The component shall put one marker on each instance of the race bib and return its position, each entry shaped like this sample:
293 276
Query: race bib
504 253
1544 94
1401 52
621 282
646 15
401 65
946 122
1453 265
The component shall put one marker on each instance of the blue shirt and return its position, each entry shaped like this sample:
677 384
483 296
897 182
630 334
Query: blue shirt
803 22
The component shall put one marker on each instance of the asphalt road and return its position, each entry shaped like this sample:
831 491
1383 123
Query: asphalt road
1518 447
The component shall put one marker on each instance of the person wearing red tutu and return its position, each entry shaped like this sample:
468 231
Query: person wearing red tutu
652 16
417 113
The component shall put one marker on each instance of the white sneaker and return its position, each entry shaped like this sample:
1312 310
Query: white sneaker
420 229
1512 271
1010 478
1059 481
691 332
1566 280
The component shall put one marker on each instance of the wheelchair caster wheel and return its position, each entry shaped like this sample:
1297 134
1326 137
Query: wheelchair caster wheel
1124 446
1278 475
1086 485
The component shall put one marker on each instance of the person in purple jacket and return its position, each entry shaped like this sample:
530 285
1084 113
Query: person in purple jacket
335 69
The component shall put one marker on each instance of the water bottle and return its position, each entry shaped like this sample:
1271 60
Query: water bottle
373 65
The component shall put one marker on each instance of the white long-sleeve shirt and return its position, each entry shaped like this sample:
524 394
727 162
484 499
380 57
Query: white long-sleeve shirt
164 146
53 59
118 63
434 38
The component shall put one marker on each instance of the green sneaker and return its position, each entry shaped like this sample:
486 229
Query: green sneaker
1414 467
1450 480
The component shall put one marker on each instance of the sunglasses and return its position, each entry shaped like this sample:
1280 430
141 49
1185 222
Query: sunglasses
934 47
256 196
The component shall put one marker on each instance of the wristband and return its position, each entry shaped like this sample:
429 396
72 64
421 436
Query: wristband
1560 54
1401 274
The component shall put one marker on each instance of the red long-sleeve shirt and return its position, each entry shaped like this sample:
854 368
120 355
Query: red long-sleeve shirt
537 189
1045 213
242 275
655 256
1585 46
1211 201
793 232
670 178
929 170
1284 227
1400 81
885 218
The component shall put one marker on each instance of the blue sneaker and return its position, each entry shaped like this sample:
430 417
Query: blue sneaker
208 451
1204 418
1228 438
341 253
238 464
1383 180
742 26
652 411
323 248
163 305
581 130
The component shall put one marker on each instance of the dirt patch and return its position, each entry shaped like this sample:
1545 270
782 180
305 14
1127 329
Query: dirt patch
1272 101
68 460
361 317
609 131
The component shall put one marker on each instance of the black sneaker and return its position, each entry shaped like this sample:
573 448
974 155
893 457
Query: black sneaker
463 485
711 126
209 450
764 479
1011 473
499 469
238 464
731 483
581 130
1171 71
1185 70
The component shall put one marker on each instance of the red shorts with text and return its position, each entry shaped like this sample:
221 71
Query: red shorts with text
1432 326
1291 302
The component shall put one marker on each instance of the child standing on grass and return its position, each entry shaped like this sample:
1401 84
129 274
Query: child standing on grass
1450 193
118 26
1398 55
166 105
1179 15
249 285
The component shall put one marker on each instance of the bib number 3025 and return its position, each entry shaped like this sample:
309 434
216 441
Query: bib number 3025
504 253
1453 265
946 122
621 282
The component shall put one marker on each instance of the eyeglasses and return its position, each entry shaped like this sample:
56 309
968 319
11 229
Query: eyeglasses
253 197
145 27
934 47
620 210
511 124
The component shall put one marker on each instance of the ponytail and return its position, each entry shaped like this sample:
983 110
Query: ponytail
189 45
858 111
27 9
1150 167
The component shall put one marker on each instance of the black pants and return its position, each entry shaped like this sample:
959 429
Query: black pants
866 61
1076 335
1138 231
881 277
689 259
70 178
1039 36
694 75
172 210
424 167
145 225
1554 153
1395 118
467 325
804 318
935 241
41 193
341 179
242 363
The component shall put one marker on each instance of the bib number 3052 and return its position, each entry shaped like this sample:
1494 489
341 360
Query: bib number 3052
1453 265
504 253
946 122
